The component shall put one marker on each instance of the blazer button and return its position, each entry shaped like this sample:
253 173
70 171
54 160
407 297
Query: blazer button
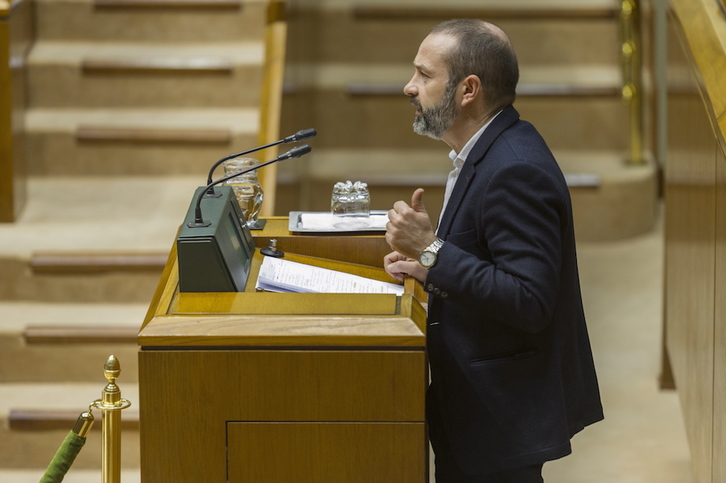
437 291
429 287
444 295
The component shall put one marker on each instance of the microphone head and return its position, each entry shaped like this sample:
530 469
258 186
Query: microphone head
298 151
301 135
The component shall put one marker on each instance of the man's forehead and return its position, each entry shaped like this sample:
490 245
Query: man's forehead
432 51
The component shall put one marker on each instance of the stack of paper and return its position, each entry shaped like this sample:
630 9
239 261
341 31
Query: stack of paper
280 275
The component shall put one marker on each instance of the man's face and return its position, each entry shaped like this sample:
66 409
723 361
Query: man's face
435 121
429 89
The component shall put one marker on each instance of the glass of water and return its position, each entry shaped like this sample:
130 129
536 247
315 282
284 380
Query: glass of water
246 187
350 204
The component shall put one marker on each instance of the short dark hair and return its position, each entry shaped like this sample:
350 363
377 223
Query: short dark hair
483 50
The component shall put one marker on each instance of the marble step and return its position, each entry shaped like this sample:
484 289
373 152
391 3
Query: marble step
542 32
574 108
612 199
28 442
67 342
120 286
92 239
82 75
151 20
132 142
384 122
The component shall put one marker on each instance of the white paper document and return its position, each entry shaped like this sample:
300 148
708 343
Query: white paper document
280 275
328 221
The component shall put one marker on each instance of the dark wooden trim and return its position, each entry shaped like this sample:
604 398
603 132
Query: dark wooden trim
522 13
169 4
148 135
523 90
43 334
57 262
199 65
59 419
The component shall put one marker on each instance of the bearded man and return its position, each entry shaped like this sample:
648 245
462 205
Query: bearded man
512 372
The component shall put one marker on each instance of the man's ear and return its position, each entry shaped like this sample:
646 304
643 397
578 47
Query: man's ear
471 89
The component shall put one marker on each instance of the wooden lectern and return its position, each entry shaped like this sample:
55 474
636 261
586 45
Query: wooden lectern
268 387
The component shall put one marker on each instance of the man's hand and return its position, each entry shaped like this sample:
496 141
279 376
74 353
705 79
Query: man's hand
409 228
398 266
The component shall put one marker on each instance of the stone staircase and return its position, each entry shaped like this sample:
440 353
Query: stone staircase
130 101
357 57
142 88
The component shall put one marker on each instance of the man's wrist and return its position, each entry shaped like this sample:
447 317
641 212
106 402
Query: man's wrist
429 255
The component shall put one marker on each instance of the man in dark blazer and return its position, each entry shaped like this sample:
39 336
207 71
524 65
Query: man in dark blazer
512 373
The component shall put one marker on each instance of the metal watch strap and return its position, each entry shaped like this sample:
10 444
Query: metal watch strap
432 249
435 246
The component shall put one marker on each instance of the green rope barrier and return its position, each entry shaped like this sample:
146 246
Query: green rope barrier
63 458
69 449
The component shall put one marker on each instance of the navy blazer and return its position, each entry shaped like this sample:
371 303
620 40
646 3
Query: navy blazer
512 373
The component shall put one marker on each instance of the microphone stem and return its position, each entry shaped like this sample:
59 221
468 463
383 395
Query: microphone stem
260 148
198 220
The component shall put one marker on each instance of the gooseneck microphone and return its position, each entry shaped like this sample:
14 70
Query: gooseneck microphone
298 136
295 152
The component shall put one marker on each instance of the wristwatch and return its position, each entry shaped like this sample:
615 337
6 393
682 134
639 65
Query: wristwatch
427 258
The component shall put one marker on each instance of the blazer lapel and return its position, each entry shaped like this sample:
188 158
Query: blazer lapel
502 122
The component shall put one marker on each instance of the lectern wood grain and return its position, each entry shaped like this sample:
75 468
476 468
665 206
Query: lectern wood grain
313 453
337 380
197 393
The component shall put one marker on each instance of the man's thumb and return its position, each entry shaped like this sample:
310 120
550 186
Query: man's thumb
417 200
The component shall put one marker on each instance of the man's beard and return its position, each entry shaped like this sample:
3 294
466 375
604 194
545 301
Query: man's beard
434 122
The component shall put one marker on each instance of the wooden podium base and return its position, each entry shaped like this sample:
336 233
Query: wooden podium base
268 387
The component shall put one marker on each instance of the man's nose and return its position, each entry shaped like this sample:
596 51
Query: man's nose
410 89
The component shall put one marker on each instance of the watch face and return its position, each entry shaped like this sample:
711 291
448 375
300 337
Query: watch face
427 259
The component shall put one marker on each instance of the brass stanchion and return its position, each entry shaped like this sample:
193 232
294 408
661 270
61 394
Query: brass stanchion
111 405
630 63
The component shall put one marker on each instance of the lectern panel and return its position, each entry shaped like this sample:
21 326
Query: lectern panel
322 452
188 396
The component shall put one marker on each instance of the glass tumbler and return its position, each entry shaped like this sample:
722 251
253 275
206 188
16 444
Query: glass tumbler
246 187
350 204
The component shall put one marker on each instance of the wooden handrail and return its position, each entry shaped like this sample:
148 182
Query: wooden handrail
704 33
271 98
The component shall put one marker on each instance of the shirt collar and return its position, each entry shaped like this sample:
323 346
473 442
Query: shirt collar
460 158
